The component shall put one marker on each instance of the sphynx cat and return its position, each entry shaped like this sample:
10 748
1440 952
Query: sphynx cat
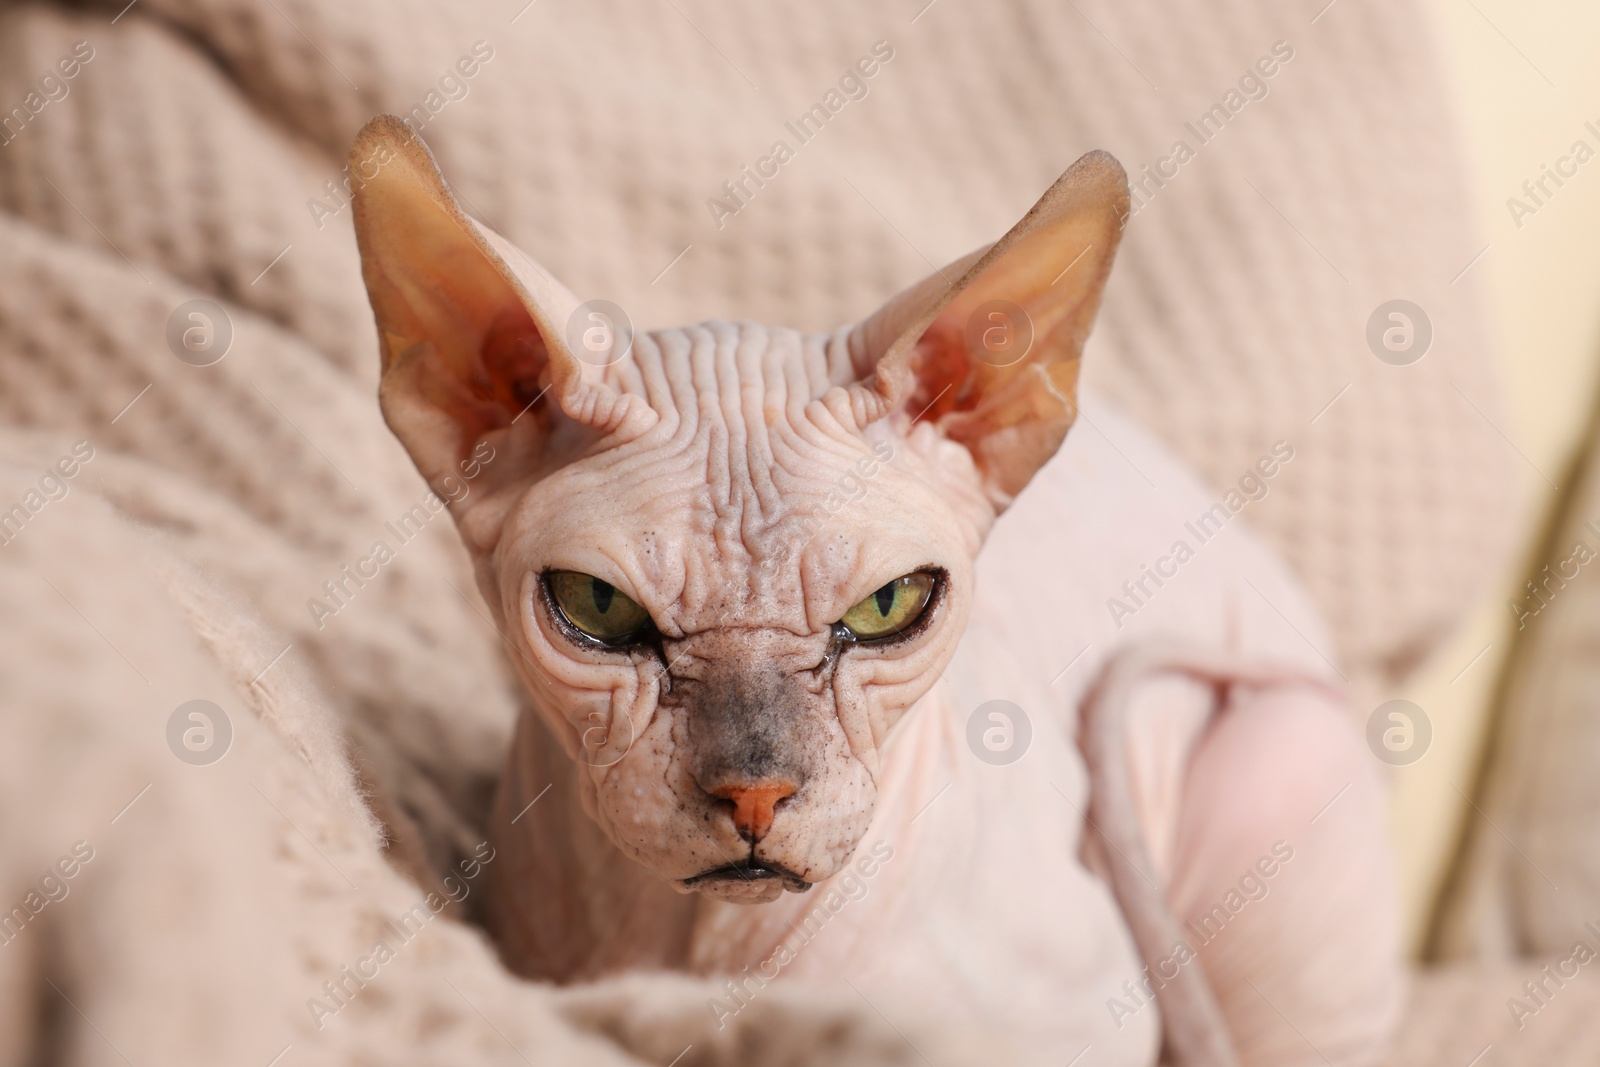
754 584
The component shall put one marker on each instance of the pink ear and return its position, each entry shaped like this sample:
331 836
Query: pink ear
988 349
472 332
474 338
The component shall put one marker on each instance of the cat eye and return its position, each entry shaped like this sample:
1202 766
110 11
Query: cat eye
891 608
596 608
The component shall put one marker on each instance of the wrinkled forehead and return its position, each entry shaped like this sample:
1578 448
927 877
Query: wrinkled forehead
747 503
736 376
701 547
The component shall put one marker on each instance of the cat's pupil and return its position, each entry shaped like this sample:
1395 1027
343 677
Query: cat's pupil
603 595
885 599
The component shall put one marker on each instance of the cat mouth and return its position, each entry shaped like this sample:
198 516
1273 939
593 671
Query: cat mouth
748 871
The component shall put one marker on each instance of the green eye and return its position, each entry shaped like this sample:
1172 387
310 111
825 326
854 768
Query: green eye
891 608
597 608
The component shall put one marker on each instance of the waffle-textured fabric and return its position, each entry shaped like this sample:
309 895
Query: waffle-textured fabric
197 152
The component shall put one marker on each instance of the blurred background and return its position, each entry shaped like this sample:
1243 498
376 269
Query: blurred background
1523 85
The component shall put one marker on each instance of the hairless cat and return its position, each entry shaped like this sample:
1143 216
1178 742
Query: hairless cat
754 585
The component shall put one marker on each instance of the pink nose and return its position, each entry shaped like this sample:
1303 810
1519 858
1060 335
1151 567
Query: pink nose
753 804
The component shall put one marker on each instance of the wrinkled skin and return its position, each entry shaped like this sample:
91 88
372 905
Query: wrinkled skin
747 487
750 677
716 475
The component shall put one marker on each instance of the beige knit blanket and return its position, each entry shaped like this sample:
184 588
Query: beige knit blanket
180 150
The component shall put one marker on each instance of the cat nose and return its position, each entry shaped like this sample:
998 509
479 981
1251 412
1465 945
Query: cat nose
753 804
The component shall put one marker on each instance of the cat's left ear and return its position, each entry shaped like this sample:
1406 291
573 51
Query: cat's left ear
473 336
988 349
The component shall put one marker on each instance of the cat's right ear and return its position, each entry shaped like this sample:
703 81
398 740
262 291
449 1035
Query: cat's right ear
473 336
987 350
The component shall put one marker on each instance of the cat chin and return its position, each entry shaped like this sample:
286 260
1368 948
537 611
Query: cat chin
740 891
745 883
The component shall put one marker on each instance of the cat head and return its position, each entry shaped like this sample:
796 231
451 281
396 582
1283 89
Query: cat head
726 558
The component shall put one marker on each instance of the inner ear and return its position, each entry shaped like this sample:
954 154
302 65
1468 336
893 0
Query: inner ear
470 329
988 349
513 359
